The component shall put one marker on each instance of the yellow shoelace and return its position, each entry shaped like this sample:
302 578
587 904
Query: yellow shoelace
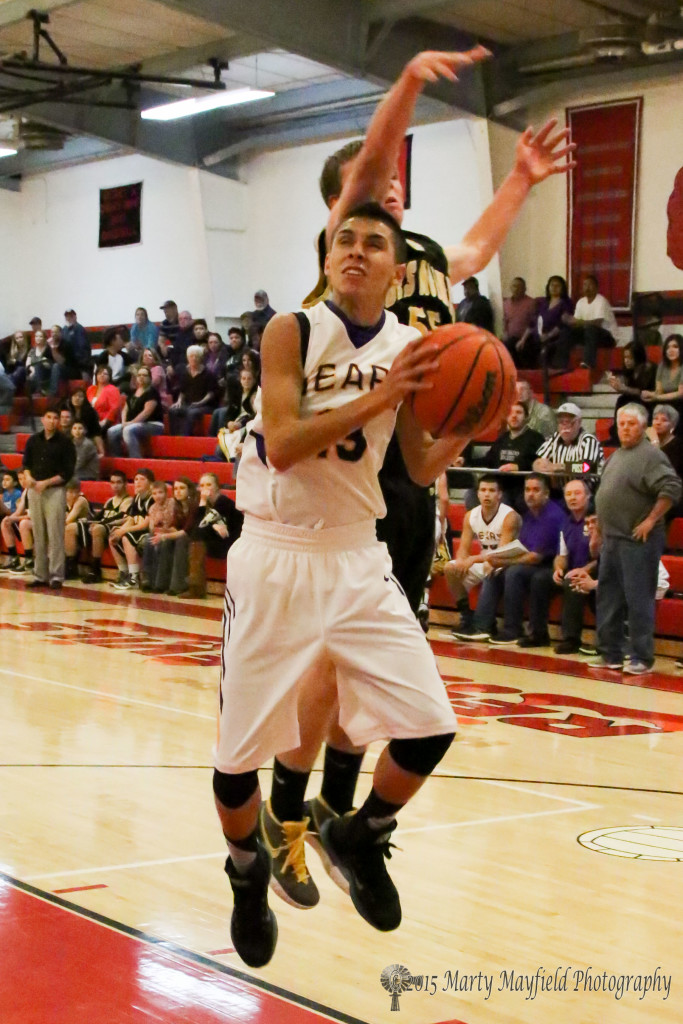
294 844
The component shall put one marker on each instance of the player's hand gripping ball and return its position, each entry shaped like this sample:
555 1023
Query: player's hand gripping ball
473 387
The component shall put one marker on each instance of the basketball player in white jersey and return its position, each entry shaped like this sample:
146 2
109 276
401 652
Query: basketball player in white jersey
308 579
493 524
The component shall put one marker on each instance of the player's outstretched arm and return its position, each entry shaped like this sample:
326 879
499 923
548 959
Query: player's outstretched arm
425 458
538 156
290 438
377 161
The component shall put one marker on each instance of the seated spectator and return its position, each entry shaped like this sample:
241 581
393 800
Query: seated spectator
238 346
514 451
593 324
571 451
663 434
173 555
492 524
251 360
142 417
216 357
161 523
126 540
176 356
150 360
573 563
143 334
519 325
6 391
95 534
64 363
87 455
115 357
39 363
554 336
105 398
669 380
530 574
15 359
229 410
76 337
541 417
200 331
250 330
260 315
474 308
66 419
168 330
83 412
197 393
11 494
217 526
637 375
77 512
232 435
15 526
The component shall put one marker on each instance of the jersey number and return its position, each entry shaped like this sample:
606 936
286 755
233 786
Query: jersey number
351 449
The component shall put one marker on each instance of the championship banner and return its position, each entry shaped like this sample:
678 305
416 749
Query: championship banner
602 197
120 215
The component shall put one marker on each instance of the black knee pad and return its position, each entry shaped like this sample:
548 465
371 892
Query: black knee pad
420 756
234 790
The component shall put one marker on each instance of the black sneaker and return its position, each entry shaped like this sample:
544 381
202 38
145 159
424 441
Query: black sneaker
359 853
124 581
318 811
472 635
11 564
17 567
534 641
253 927
566 647
93 576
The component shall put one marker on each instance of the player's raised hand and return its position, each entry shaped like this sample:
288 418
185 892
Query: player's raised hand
546 152
430 65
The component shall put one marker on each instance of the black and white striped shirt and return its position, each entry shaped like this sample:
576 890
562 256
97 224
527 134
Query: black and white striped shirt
586 448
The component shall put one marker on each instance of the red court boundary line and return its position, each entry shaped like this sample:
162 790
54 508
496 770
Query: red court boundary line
80 888
442 648
184 954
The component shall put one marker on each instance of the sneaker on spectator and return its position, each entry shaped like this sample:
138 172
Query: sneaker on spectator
11 564
359 854
93 576
253 927
601 662
505 640
285 842
470 636
589 650
567 647
534 641
318 811
18 568
29 565
679 663
124 581
633 667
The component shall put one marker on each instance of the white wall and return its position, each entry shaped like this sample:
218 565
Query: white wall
451 183
536 246
10 240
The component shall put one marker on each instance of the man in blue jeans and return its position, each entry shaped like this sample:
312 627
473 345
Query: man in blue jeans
527 574
637 489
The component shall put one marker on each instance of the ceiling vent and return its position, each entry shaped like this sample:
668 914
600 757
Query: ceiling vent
33 136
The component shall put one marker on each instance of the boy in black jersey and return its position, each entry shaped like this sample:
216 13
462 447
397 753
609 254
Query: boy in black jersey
126 540
95 534
368 170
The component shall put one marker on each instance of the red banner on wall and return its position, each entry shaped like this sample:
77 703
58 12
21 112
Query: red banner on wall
120 215
602 197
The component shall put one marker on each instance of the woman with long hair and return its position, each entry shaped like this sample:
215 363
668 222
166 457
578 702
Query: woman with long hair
172 557
637 375
105 399
669 380
141 417
39 363
15 360
83 412
143 334
151 361
555 336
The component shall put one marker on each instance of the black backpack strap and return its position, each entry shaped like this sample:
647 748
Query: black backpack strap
305 331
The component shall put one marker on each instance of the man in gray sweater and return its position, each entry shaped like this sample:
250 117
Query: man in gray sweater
637 489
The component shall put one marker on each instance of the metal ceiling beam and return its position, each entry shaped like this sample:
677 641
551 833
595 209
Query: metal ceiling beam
12 11
182 60
32 161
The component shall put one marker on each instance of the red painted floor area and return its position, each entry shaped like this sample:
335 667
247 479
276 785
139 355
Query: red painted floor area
63 966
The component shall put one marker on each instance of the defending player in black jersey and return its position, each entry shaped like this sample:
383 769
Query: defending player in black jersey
359 171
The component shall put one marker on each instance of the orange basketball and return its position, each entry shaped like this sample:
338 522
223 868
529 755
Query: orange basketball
474 385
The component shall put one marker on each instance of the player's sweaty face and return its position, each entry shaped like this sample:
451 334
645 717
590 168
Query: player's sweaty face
361 259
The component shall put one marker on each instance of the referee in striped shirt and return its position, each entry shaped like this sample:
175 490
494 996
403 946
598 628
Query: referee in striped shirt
571 451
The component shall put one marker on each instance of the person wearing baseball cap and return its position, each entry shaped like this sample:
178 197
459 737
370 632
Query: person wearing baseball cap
36 323
571 451
169 327
77 337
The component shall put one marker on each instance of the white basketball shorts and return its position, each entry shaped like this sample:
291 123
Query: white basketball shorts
294 596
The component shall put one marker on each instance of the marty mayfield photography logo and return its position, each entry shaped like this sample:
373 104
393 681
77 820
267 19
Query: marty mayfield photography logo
396 979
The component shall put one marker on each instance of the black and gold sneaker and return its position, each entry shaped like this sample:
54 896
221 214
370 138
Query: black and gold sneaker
318 811
285 842
253 926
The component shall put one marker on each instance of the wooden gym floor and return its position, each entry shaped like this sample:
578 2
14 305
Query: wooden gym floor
113 903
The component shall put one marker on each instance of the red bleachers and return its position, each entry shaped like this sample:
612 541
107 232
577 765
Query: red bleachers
573 382
181 447
169 469
602 429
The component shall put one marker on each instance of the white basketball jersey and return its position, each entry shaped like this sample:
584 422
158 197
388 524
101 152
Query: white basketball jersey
488 534
338 486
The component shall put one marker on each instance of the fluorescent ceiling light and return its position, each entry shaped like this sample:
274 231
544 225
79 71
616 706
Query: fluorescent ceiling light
199 104
5 151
